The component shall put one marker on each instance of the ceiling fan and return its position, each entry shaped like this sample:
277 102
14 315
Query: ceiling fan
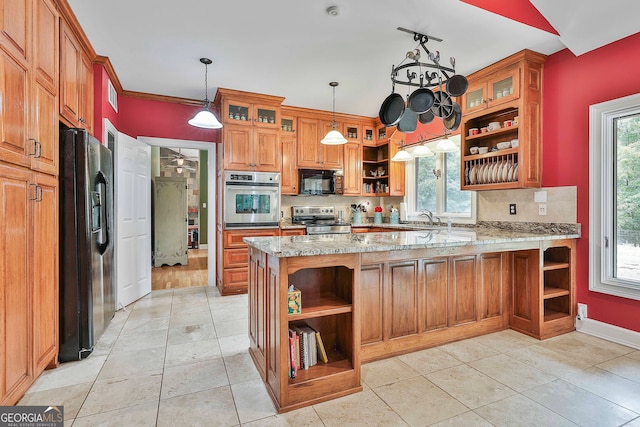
179 158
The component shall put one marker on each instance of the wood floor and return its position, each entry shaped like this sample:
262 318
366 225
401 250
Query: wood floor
182 276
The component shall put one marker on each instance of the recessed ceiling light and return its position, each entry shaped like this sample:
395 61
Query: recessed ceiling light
333 11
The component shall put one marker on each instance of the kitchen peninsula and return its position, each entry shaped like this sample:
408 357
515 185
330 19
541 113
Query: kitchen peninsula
374 295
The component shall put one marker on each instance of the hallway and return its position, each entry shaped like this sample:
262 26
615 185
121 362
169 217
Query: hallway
182 276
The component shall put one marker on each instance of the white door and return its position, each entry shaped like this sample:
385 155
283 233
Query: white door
133 219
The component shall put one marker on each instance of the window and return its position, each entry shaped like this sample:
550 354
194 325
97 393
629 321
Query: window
614 211
434 185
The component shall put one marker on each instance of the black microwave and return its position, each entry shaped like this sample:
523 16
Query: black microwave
319 182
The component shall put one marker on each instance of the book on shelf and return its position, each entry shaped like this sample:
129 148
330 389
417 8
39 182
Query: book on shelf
322 353
293 367
304 348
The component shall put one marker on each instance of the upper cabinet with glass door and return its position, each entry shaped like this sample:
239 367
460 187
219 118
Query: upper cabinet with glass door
498 88
501 130
245 108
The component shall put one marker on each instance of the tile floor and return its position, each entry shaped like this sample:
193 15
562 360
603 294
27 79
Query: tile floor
179 357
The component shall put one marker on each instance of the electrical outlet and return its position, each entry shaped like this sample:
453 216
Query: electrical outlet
582 311
512 208
542 209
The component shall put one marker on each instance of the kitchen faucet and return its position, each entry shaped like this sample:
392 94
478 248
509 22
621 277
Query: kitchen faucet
429 215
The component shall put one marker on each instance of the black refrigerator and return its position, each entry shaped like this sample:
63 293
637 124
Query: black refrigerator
87 276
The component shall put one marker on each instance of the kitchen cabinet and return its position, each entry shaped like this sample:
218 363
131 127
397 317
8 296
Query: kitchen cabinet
289 171
352 132
328 292
251 149
397 180
251 132
76 81
311 153
375 170
28 283
352 169
233 273
292 231
514 104
368 135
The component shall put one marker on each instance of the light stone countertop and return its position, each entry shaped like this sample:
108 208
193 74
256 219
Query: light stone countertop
329 244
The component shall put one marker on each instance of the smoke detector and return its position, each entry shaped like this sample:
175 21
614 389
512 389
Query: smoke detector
333 11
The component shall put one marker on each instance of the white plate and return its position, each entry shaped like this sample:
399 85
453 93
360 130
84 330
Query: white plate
505 171
472 175
496 170
515 172
480 177
484 173
510 173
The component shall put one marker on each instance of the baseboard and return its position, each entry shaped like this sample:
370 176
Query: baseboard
609 332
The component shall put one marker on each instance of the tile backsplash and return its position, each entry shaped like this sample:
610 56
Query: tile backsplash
341 203
561 205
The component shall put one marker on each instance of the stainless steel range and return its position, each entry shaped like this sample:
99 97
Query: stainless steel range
319 220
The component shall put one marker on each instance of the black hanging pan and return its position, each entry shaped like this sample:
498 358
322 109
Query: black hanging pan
442 104
452 122
457 85
421 100
392 109
408 122
426 117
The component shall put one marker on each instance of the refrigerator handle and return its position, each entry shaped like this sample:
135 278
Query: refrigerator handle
100 209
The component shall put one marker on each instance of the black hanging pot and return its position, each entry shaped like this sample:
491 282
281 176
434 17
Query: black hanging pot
408 121
457 85
452 122
392 109
421 99
426 117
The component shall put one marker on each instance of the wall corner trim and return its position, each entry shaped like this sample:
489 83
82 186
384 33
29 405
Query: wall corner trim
609 332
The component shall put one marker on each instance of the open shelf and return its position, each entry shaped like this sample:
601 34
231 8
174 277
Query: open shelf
553 265
338 363
492 133
318 306
551 292
550 315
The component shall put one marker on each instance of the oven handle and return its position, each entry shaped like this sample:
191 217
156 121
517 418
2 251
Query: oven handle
244 186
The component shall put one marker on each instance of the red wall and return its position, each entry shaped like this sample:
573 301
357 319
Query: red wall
571 85
141 117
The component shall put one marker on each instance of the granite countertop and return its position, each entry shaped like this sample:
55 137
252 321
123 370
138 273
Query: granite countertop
328 244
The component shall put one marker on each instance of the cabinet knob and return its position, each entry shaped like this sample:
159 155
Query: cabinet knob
37 148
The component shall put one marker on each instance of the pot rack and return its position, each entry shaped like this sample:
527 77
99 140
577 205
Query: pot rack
437 77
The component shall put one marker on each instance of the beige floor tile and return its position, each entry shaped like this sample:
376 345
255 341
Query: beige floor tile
70 373
387 371
624 366
143 324
419 402
188 318
512 373
547 360
132 362
190 352
232 327
151 312
468 419
360 409
213 407
132 342
154 299
143 415
516 411
607 385
429 360
71 397
579 405
468 350
118 393
506 340
240 368
469 386
572 345
194 377
252 401
184 334
635 355
190 307
231 311
235 344
305 417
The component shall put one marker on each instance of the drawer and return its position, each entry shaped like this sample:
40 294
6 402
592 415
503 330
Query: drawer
235 281
236 258
233 238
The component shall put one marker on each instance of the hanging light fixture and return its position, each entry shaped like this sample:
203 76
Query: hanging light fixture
205 118
402 155
445 146
422 151
333 137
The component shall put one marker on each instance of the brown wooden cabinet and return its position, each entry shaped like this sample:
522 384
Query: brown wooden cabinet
311 153
76 81
289 141
327 286
232 269
292 231
508 93
397 180
253 149
29 37
352 169
28 283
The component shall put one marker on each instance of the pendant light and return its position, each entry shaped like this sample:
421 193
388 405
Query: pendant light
402 155
445 146
205 118
333 137
422 151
